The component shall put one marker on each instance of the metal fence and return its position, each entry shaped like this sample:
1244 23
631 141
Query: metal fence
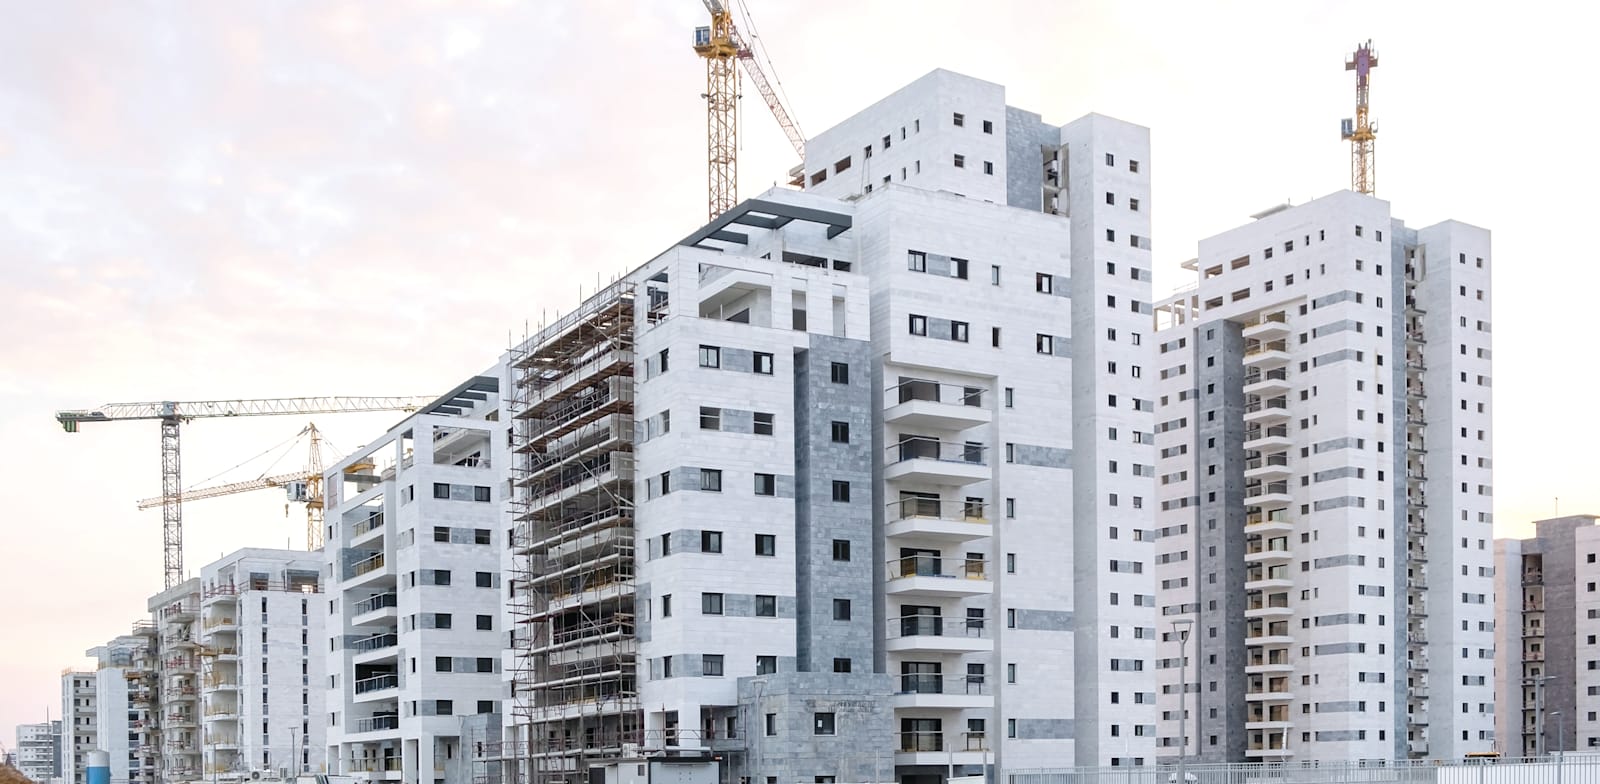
1565 769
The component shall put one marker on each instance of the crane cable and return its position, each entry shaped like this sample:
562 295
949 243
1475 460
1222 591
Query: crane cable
756 43
202 483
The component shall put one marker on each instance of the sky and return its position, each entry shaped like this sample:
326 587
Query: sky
277 198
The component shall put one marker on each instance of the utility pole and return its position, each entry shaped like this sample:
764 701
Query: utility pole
1181 628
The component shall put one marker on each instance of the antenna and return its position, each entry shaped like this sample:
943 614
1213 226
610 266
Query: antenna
1361 132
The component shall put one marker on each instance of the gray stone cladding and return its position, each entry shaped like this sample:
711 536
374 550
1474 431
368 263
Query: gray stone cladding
1219 660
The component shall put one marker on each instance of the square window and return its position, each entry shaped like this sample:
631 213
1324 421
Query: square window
486 623
711 664
763 363
766 544
711 480
710 541
710 418
766 606
766 665
841 665
916 261
485 579
841 549
766 484
710 357
988 167
959 119
988 127
841 609
822 724
839 373
960 161
841 432
763 423
841 491
441 533
919 324
710 604
441 490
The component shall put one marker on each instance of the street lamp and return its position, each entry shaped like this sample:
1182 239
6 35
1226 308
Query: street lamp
1181 628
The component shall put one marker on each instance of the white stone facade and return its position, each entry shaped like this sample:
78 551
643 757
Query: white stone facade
79 724
37 752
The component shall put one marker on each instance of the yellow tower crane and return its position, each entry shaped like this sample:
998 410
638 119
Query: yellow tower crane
720 44
301 488
173 414
1362 132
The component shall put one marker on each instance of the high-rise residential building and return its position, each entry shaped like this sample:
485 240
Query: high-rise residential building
175 614
123 728
414 634
38 750
853 482
79 724
1547 638
1325 490
261 659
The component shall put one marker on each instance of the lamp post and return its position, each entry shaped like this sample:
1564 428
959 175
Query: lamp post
1181 627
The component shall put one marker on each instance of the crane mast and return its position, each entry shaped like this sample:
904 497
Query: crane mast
1362 132
720 44
173 414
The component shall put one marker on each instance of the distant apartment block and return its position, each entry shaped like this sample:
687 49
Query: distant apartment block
1547 639
1323 412
79 724
414 634
125 730
38 750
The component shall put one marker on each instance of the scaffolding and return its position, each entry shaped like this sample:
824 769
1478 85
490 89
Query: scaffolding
575 688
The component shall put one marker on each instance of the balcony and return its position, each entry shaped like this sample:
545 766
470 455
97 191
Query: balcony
938 519
1271 326
1267 355
374 608
919 403
1267 494
375 684
1270 383
937 692
221 623
935 747
378 723
1268 468
939 577
1267 439
372 765
1276 522
376 644
1276 693
937 634
1274 608
373 522
1273 550
929 460
1267 412
1265 666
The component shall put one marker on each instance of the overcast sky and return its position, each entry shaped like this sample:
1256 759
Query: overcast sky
257 199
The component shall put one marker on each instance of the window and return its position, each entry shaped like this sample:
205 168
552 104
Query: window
763 363
841 432
1043 283
710 418
486 623
766 544
766 665
710 604
710 357
919 324
959 119
485 579
710 541
988 167
481 536
1133 204
666 605
841 491
711 664
917 261
441 576
766 606
1044 344
839 373
481 494
960 161
988 127
822 723
841 665
958 268
763 423
443 664
441 490
841 549
841 609
958 331
766 484
711 480
1111 160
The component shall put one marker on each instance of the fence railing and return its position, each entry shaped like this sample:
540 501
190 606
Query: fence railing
1569 768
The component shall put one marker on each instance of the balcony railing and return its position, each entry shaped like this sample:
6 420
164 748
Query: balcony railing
922 741
377 683
933 391
909 508
1274 403
1271 345
368 525
936 626
925 448
372 764
375 602
375 723
934 683
368 565
1276 459
936 566
1276 431
376 642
